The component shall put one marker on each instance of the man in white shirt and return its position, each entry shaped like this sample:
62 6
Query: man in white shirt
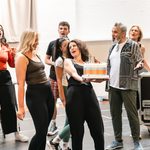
124 60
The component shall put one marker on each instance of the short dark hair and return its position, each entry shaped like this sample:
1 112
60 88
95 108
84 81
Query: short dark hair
64 23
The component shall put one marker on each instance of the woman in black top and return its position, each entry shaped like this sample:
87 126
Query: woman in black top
39 98
82 104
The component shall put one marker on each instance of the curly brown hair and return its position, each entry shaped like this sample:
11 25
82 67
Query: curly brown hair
82 47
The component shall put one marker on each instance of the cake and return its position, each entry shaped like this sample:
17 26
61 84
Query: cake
95 70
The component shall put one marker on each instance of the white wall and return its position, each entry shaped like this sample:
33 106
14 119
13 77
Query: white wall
50 13
96 17
89 19
92 19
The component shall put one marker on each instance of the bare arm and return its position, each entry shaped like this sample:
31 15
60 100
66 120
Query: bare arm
21 67
59 75
48 60
146 66
70 69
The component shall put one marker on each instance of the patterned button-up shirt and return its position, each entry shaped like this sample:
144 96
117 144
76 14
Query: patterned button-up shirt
130 56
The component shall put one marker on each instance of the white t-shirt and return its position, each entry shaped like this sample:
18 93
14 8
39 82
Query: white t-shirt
115 65
60 63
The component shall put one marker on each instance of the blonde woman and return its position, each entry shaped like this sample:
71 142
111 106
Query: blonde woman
39 99
136 34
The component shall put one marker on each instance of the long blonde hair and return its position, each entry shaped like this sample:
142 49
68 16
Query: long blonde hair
140 32
27 41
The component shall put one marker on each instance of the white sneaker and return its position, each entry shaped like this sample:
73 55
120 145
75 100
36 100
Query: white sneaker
137 146
2 139
53 129
20 137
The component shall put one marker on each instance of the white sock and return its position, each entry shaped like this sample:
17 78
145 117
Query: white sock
65 145
57 139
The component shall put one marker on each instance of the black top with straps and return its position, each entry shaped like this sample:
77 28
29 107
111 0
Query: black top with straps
35 73
74 82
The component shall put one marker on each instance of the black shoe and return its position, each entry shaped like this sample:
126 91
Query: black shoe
54 146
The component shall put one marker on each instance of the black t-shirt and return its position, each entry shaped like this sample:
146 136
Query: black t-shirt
50 52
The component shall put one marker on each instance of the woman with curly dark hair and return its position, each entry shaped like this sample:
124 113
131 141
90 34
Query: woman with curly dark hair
81 104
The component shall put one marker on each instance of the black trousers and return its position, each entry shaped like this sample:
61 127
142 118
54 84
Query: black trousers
7 103
82 105
40 103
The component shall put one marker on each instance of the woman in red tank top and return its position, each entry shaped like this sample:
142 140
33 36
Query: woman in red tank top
7 91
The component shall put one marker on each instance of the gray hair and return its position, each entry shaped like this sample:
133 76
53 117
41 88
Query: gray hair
121 26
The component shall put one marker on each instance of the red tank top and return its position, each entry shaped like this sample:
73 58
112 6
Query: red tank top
6 57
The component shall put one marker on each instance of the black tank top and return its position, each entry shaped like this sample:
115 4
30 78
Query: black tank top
73 82
35 73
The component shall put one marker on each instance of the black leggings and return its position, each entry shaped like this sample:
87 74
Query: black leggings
82 105
40 103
